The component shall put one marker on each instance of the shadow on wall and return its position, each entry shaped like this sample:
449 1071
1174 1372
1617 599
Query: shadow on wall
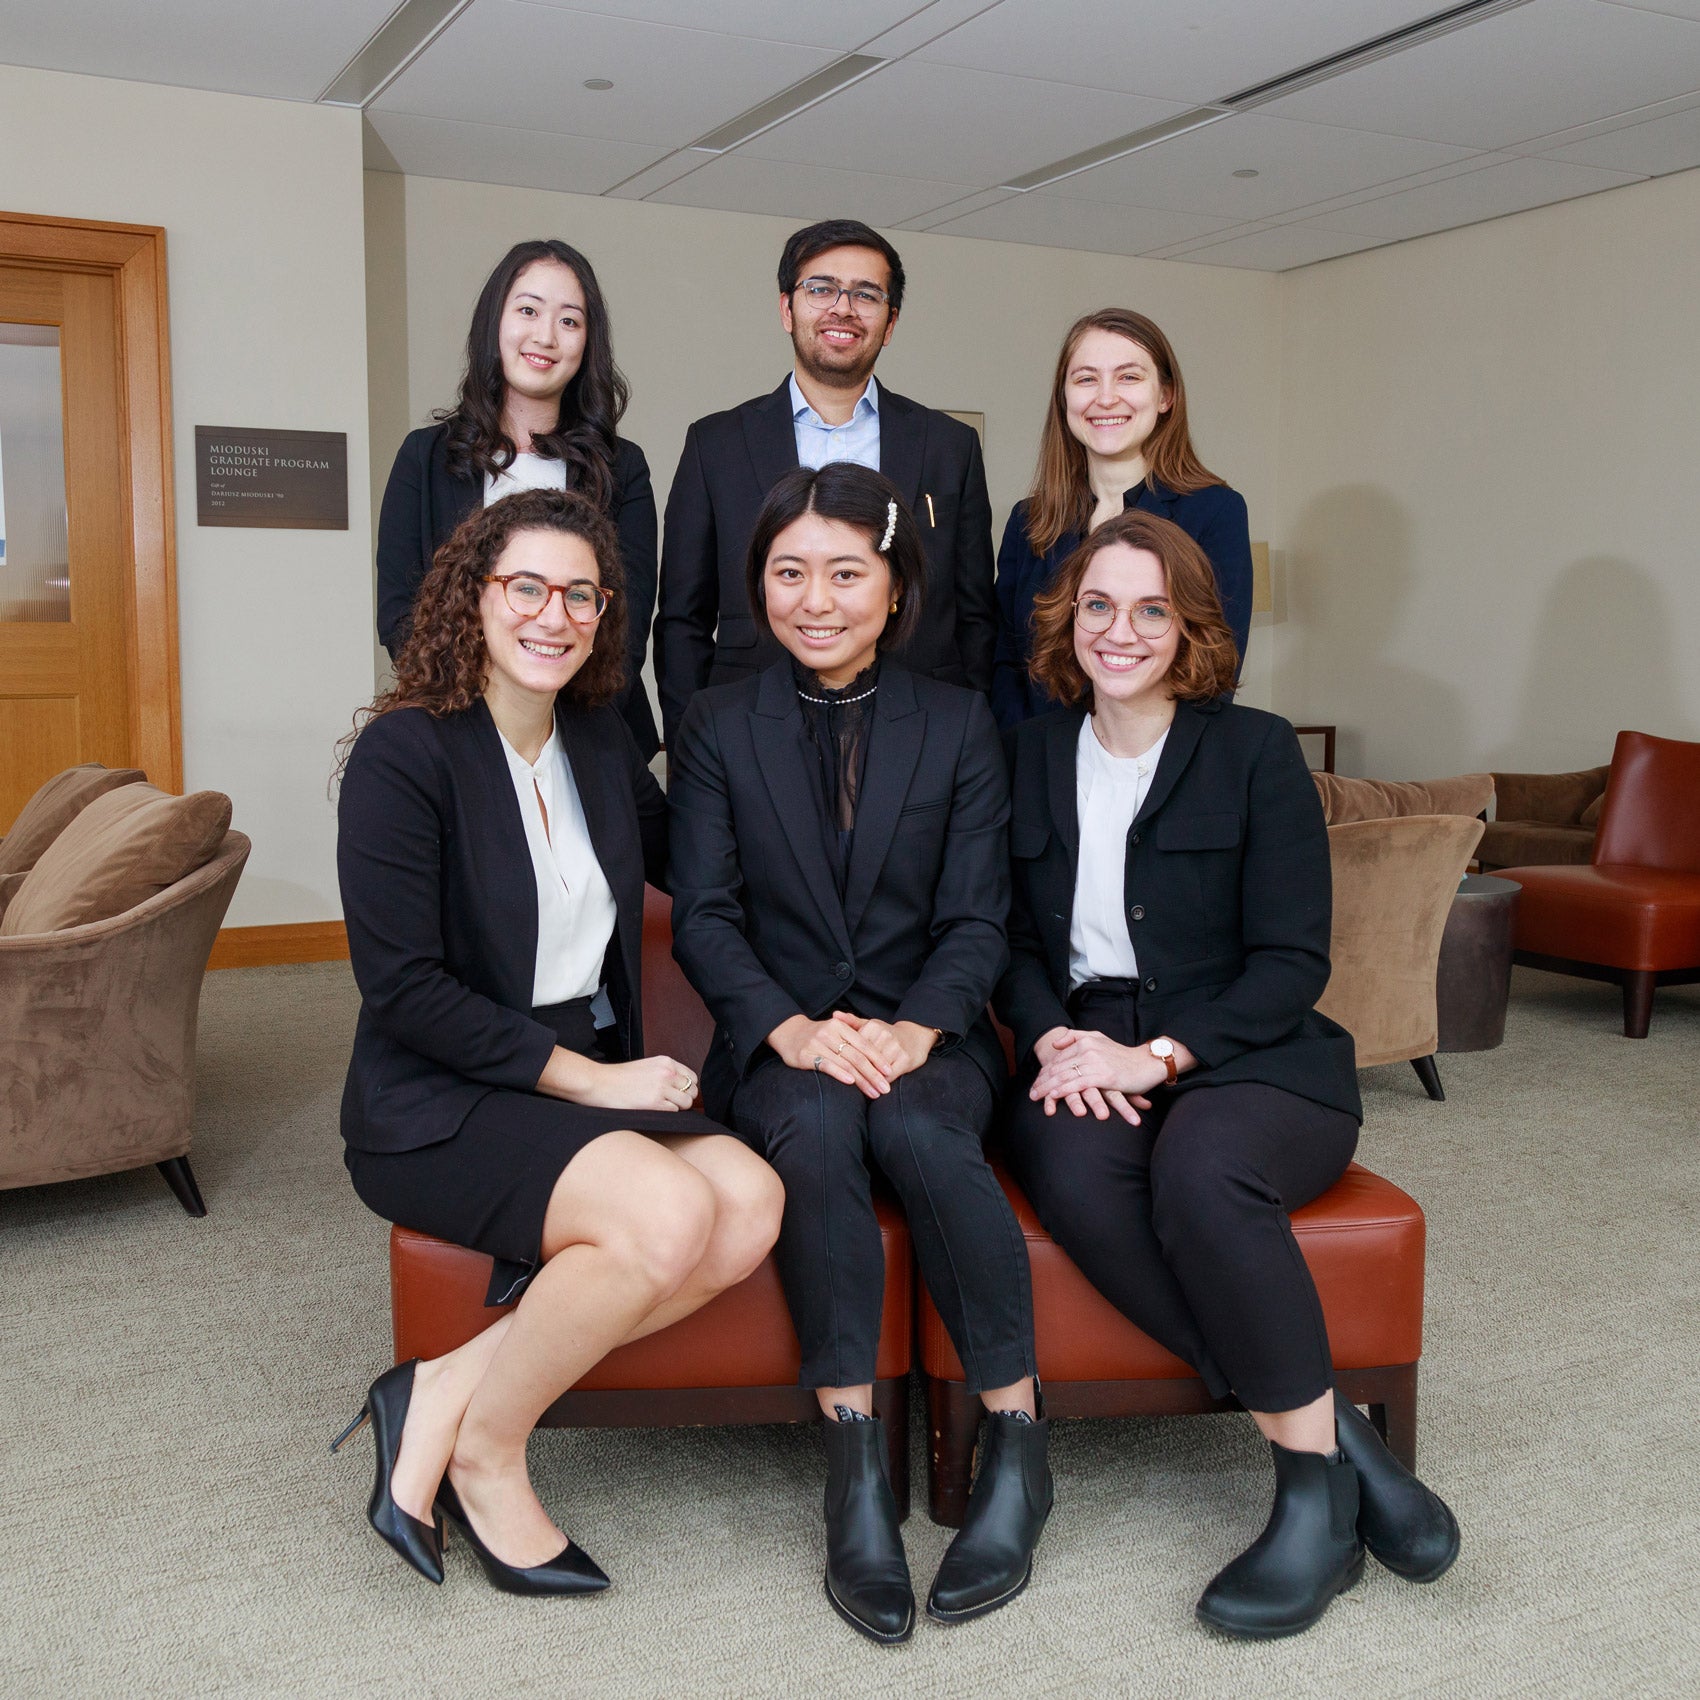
1349 659
1603 659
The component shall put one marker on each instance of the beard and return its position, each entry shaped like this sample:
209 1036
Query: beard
832 367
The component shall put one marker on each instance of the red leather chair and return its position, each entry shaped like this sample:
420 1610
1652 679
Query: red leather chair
1632 915
734 1361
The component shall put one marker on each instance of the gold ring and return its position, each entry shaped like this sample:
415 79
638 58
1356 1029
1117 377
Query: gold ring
843 1044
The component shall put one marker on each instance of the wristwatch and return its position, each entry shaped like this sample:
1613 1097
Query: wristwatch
1164 1051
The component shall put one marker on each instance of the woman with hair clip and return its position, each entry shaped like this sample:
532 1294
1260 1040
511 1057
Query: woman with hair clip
539 408
1177 1093
1115 438
840 874
495 827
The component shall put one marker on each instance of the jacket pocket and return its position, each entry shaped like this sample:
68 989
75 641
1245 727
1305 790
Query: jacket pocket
1198 832
736 631
1027 839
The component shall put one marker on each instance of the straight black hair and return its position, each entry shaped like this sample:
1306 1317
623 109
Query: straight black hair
862 499
591 405
837 233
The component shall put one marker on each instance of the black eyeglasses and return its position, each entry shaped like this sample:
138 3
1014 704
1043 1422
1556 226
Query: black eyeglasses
527 594
824 293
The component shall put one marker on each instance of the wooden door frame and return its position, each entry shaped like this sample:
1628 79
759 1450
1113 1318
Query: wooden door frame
134 256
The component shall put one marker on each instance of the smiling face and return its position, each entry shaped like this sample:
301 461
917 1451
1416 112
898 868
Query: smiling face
1121 665
828 596
542 331
838 345
1112 396
536 654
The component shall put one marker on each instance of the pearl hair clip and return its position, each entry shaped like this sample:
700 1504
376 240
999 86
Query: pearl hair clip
890 526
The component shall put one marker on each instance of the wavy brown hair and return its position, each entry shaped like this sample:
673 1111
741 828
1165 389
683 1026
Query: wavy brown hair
1206 659
1061 498
444 664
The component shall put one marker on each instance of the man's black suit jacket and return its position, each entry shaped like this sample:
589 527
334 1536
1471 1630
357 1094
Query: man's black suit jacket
1229 899
758 923
423 503
441 904
704 632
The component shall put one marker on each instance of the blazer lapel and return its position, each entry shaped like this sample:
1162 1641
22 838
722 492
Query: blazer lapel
903 446
510 886
1184 733
452 499
895 736
614 849
1062 736
770 437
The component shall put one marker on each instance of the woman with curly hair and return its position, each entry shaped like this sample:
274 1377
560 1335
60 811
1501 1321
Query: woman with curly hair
539 408
495 827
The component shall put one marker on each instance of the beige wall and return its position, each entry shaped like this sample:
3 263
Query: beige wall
695 309
1490 489
261 201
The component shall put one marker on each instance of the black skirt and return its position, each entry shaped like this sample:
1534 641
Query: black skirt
488 1186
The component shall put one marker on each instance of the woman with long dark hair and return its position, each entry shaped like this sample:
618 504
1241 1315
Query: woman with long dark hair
495 827
1116 437
840 876
539 408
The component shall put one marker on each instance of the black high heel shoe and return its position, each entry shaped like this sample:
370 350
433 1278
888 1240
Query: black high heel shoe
571 1571
387 1399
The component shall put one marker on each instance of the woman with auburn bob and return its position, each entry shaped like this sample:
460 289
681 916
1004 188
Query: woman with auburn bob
539 408
496 824
840 874
1179 1093
1115 439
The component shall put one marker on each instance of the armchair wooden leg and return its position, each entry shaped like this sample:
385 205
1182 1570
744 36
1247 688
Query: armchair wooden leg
1637 1002
181 1179
1429 1075
891 1406
953 1425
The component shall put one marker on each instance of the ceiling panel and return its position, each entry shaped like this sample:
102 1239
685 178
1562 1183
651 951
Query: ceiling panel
1660 145
1671 8
524 66
1296 165
288 52
841 27
1054 221
738 183
968 126
1539 68
494 153
1190 53
1280 248
1471 196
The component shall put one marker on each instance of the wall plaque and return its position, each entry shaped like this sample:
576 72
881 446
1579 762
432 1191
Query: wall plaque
286 480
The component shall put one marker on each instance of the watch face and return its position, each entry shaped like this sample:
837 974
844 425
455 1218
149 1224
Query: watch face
1162 1048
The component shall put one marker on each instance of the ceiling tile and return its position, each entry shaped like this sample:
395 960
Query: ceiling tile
1471 196
1522 73
741 183
1195 52
493 153
1672 8
1660 145
1053 221
1280 249
841 27
287 52
968 126
1296 164
524 66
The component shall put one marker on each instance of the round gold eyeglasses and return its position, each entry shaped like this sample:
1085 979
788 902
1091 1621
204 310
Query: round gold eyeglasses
1096 613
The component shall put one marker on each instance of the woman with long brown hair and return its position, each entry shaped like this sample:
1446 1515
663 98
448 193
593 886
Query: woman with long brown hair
495 826
1116 438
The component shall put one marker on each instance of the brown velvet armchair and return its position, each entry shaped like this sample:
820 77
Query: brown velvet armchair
97 1034
1545 818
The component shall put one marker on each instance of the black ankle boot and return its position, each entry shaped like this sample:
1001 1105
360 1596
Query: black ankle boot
1309 1552
991 1558
1408 1527
867 1575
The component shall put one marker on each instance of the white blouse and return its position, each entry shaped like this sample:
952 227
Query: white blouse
1108 793
525 472
575 906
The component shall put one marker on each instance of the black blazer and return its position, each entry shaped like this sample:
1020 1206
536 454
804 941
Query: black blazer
1214 518
441 905
1229 898
758 925
704 634
422 506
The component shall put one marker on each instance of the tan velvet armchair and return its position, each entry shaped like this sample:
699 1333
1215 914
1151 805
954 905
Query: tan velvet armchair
97 1034
1398 853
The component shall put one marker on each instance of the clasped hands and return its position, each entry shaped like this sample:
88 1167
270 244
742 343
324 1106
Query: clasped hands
858 1050
1094 1075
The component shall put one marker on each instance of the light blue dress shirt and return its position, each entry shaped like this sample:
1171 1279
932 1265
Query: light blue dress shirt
857 439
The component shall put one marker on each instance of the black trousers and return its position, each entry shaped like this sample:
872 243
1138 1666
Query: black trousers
926 1135
1181 1222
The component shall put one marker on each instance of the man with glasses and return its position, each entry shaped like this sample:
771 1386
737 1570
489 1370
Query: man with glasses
840 289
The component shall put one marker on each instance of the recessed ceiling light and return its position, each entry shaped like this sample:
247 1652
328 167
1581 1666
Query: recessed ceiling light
1245 171
597 83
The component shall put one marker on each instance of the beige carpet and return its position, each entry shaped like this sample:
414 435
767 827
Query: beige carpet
172 1524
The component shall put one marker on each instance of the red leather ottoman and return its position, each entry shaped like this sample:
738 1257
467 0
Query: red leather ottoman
1364 1243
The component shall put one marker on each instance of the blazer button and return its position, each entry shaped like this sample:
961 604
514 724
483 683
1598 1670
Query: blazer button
1134 838
1151 983
842 970
1137 912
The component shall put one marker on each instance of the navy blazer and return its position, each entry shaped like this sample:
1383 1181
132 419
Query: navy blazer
440 899
758 925
1215 519
704 632
1229 900
423 503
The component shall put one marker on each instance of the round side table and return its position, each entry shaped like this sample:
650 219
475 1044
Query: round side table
1473 980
